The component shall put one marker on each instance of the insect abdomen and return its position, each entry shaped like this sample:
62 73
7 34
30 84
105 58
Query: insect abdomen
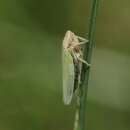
77 76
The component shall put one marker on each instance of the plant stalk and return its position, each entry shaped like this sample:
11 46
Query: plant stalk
86 70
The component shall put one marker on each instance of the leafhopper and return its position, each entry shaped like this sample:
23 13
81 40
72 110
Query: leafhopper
72 64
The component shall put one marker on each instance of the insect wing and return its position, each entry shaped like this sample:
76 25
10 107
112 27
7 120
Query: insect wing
68 77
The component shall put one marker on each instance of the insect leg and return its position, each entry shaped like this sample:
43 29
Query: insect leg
83 40
83 61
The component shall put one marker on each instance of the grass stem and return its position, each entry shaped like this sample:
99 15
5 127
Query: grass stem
86 70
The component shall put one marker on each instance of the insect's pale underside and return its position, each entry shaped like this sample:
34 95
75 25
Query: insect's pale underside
72 64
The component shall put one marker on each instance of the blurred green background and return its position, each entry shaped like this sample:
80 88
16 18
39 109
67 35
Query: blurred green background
31 34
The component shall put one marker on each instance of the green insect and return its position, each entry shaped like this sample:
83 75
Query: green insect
72 64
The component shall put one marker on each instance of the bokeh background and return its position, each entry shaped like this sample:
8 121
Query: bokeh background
31 34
